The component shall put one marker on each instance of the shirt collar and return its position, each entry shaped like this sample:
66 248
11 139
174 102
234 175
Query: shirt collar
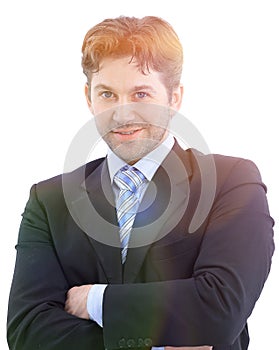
148 165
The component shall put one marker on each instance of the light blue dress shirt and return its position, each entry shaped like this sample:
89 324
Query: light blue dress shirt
148 166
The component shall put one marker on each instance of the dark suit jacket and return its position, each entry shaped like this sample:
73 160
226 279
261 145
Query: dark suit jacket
192 278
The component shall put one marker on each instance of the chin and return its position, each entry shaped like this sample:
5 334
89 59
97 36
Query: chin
129 153
132 151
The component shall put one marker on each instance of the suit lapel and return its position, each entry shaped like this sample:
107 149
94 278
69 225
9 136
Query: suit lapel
162 207
95 213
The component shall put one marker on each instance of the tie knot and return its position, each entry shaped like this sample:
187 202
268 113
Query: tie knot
129 178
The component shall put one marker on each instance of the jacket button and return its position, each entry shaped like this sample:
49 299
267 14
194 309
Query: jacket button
148 342
122 343
131 343
140 343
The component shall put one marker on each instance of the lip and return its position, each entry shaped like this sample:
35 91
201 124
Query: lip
127 134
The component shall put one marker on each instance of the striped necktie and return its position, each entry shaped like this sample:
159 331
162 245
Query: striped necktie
129 181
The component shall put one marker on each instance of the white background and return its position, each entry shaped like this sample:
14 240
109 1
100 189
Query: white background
231 79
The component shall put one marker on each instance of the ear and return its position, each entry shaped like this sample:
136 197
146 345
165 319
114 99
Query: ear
177 97
88 96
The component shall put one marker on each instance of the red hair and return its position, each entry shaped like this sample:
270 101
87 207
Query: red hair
150 41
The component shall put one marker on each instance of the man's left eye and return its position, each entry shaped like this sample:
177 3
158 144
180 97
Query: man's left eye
141 94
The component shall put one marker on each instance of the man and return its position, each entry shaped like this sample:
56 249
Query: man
130 251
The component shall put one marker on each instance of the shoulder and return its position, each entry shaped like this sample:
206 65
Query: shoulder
221 161
226 168
53 187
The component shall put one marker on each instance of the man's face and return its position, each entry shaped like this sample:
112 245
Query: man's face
132 110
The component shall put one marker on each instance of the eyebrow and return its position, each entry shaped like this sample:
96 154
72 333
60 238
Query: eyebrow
143 87
102 87
134 89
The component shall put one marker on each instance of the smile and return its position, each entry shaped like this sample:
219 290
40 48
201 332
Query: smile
125 134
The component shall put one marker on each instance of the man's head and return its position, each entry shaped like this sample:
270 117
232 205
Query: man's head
129 60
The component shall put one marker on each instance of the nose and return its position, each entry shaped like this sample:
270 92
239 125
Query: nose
124 113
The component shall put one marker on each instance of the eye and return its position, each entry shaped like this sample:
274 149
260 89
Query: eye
106 94
141 94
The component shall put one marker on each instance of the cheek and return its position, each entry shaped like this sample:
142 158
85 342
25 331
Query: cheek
99 106
96 108
157 121
101 124
103 120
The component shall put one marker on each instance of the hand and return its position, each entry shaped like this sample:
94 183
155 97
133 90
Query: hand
76 302
205 347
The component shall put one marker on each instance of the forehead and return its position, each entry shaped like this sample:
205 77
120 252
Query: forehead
122 73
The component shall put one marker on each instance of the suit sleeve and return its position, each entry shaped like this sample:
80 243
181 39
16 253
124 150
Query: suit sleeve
36 316
212 306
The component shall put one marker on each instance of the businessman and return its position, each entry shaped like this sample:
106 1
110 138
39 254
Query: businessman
140 249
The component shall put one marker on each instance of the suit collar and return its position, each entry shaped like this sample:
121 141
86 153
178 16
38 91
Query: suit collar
100 175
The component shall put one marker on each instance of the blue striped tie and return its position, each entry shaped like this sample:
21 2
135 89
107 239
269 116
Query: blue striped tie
129 180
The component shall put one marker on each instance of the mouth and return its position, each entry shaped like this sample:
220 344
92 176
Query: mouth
127 133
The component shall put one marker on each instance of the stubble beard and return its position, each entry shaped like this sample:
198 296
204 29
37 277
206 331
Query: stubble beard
132 151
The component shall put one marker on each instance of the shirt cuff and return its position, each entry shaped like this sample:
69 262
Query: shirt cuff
95 303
